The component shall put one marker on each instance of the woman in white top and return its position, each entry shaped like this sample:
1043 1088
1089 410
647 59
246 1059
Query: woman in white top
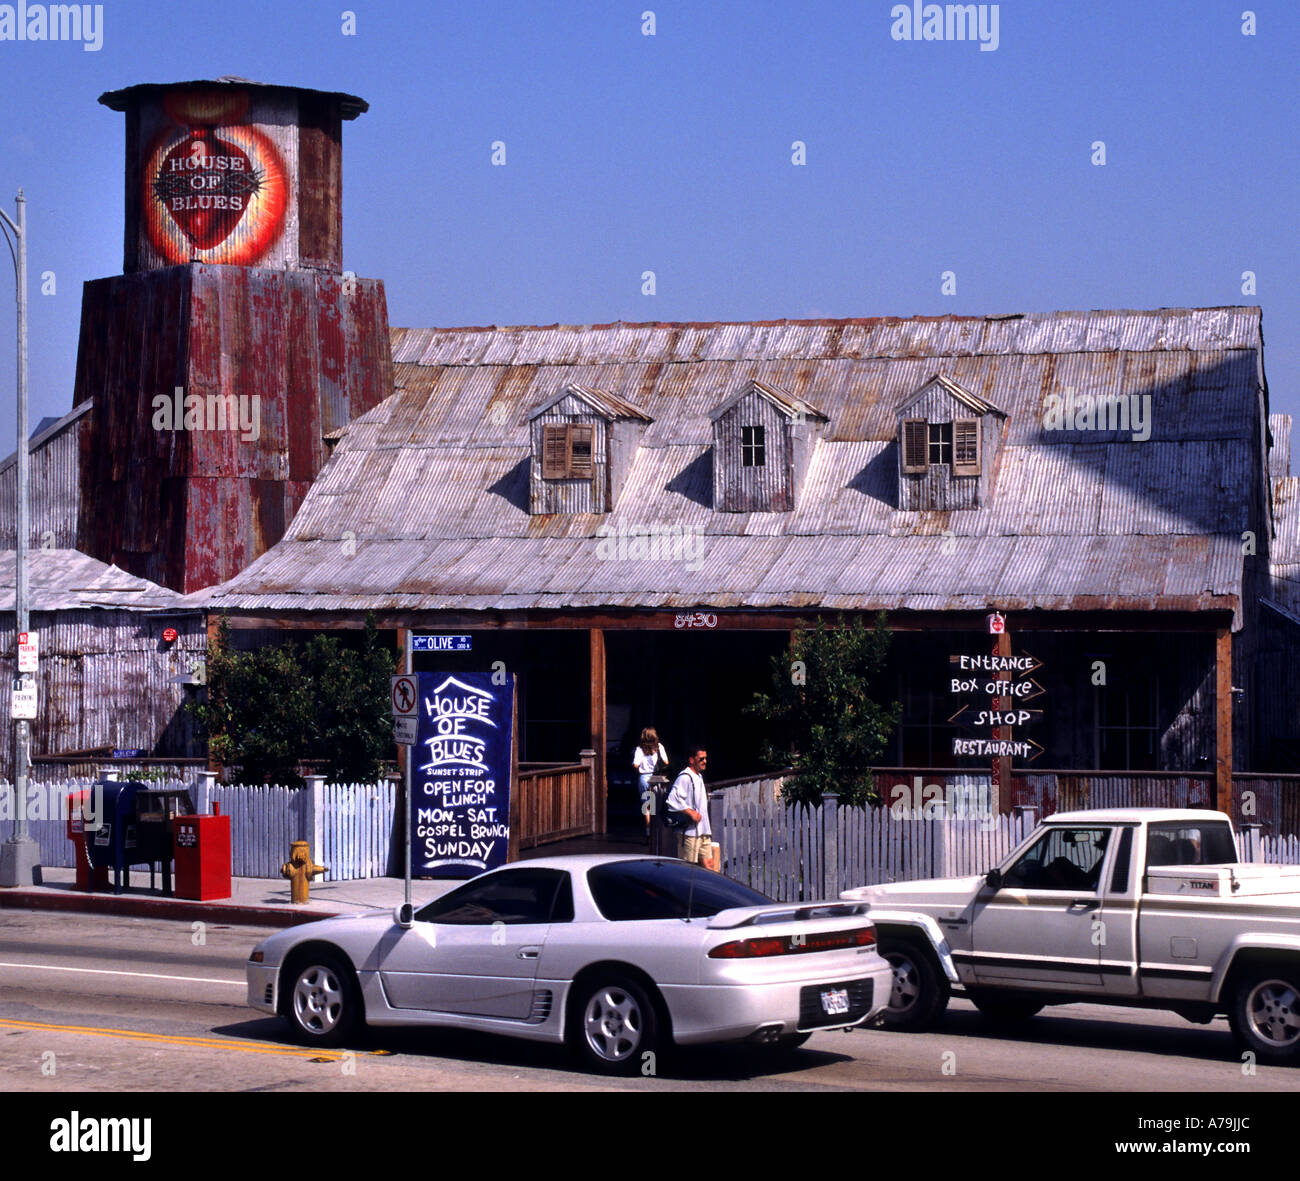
645 758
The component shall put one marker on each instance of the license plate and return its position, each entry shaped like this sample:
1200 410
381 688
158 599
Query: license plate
835 1001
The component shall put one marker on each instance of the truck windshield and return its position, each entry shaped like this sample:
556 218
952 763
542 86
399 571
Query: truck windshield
1191 844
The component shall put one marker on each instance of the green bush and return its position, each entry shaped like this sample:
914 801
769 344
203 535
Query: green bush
824 715
268 709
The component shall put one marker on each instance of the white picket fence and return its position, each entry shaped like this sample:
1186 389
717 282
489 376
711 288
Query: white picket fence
798 853
348 825
801 852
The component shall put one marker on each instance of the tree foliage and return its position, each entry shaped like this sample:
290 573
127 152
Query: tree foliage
825 715
270 708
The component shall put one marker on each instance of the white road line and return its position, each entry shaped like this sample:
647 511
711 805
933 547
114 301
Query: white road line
142 975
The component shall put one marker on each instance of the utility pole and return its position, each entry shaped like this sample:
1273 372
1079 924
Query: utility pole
20 856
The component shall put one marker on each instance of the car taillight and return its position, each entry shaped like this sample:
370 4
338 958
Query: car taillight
745 949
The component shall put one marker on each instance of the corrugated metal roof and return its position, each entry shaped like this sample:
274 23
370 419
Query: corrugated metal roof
432 485
602 401
66 579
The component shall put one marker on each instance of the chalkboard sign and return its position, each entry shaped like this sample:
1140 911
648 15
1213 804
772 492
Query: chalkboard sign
460 779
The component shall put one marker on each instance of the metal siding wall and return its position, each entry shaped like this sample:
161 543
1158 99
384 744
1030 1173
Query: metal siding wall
104 682
54 492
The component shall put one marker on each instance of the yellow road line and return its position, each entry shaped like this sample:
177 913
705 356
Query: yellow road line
207 1043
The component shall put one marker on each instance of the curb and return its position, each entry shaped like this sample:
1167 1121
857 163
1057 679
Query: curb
178 910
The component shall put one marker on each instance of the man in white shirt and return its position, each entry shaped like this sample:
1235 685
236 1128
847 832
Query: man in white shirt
689 795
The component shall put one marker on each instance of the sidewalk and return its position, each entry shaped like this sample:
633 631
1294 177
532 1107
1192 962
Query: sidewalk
259 902
264 902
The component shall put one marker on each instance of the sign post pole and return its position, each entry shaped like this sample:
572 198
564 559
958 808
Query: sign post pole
406 794
20 855
1001 770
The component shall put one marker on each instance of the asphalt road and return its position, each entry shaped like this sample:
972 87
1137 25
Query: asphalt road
89 1003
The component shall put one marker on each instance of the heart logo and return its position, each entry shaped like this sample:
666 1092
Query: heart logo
206 185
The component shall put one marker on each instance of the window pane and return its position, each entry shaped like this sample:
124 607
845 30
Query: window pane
1190 844
629 890
1062 859
941 442
511 896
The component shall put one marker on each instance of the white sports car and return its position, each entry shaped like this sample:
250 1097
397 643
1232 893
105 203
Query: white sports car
617 956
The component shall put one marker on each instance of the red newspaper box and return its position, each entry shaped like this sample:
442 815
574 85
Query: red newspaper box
87 877
202 857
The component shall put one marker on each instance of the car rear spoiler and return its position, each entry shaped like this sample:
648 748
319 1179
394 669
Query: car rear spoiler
752 916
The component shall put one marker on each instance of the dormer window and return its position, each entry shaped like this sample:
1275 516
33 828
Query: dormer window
943 430
583 441
763 440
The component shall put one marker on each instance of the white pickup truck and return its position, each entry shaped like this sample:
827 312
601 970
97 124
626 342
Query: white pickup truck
1138 906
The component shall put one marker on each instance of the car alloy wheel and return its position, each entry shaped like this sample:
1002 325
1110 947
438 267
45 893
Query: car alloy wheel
1270 1012
323 1002
616 1026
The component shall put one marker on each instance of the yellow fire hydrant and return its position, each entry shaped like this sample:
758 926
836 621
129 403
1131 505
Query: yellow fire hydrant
300 870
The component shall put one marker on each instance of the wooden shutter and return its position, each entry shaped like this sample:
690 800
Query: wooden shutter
916 446
555 452
966 447
580 440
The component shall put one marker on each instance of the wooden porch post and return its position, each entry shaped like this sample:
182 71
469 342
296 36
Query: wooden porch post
1223 720
599 790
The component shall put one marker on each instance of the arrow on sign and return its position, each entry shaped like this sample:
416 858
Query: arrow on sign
1033 668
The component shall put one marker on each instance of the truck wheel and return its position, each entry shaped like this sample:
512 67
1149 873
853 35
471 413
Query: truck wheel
1265 1014
920 993
1004 1008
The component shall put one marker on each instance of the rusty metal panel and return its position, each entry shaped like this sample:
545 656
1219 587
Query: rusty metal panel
105 679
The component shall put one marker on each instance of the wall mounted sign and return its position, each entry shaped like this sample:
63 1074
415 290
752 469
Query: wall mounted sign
461 772
29 652
215 187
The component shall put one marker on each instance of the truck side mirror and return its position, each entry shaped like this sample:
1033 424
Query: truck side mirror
994 879
404 915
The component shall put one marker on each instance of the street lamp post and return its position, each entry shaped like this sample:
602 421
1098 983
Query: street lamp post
20 857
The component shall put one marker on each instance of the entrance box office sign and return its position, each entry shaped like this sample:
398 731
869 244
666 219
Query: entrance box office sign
462 763
231 171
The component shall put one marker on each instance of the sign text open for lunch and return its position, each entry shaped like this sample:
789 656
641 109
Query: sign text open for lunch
460 786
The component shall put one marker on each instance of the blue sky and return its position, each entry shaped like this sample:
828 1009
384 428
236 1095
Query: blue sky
672 153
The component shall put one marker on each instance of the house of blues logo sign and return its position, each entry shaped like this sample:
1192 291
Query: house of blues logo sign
215 188
460 784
